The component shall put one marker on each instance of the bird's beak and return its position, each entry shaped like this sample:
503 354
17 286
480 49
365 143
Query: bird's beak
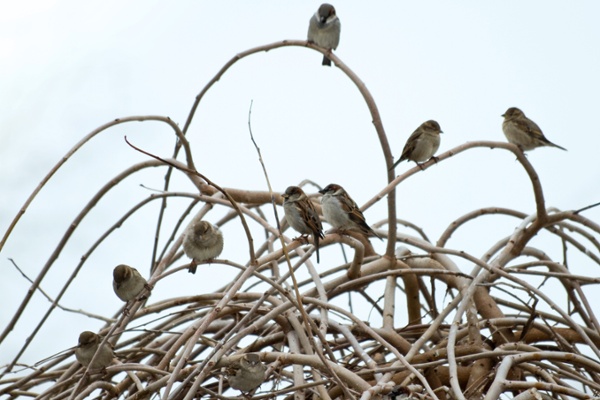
322 191
503 115
285 196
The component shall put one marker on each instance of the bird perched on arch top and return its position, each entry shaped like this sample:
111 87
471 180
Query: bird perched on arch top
324 29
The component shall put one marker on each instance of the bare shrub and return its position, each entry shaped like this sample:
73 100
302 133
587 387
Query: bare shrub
498 334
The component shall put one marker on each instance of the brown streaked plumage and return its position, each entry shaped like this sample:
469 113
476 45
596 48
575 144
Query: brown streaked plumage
342 212
523 132
301 214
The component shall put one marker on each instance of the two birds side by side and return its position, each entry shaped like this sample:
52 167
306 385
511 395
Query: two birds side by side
339 210
518 129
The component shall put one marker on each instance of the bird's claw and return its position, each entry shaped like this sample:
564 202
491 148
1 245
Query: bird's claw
303 239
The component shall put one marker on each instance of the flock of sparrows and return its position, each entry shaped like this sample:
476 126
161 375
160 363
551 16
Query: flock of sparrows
203 241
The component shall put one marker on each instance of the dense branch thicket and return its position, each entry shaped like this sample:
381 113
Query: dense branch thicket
493 337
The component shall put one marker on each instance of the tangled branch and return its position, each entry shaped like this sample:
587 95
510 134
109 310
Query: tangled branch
486 333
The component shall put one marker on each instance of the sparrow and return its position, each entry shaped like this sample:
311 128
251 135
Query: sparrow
523 132
422 144
87 347
127 282
202 241
301 215
342 212
246 374
324 29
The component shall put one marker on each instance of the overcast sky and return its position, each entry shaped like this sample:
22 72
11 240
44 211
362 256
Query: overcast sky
67 67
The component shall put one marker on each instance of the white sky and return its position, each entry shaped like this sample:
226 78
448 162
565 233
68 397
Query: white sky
66 67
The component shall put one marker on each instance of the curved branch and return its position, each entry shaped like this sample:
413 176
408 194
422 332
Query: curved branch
73 150
370 101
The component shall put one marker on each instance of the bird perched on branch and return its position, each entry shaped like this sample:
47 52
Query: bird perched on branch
87 347
422 144
301 215
342 212
523 132
247 373
324 29
202 241
127 282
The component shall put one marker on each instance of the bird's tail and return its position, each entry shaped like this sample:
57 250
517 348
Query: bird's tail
555 145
